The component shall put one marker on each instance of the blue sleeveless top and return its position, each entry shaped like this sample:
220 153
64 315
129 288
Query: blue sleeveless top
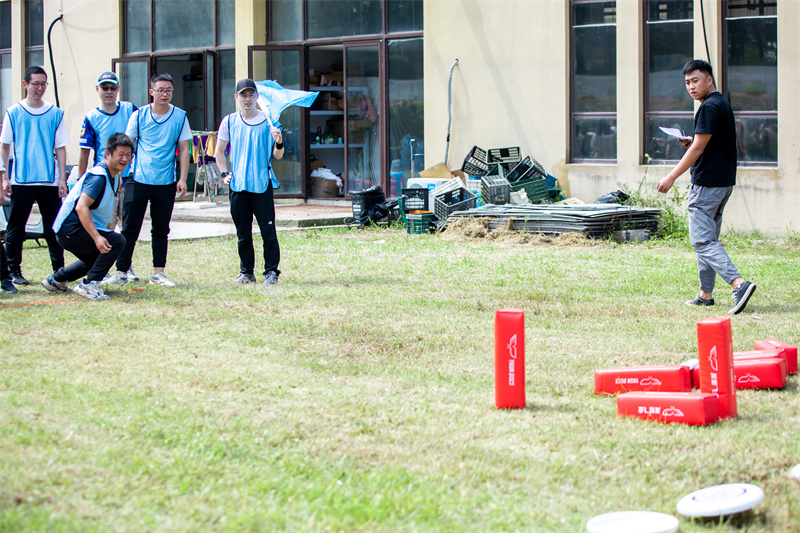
156 142
251 151
34 144
102 207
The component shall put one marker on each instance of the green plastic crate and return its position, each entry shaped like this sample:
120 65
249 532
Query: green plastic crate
535 188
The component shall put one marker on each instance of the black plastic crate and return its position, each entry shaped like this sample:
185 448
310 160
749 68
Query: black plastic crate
366 198
505 155
521 170
451 201
477 162
495 190
415 199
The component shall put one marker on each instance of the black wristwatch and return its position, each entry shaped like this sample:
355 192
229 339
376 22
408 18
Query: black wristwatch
224 174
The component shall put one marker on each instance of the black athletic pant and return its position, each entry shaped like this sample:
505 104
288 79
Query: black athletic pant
244 205
162 200
91 263
22 200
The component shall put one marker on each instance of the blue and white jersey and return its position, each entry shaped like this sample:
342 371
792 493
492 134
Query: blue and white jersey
251 146
99 185
157 139
35 134
98 126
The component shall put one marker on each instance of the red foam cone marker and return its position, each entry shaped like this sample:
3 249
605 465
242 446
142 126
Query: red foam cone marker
789 350
715 352
509 359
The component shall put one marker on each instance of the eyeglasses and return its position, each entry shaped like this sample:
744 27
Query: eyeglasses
109 87
38 84
163 91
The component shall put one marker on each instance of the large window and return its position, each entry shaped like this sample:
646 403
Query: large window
406 112
156 25
192 41
751 77
34 33
336 19
669 27
594 81
5 57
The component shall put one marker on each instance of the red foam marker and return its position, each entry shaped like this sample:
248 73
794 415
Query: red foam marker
509 359
692 408
789 350
665 378
694 370
761 354
760 373
715 353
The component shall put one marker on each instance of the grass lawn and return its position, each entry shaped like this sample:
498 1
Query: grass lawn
357 395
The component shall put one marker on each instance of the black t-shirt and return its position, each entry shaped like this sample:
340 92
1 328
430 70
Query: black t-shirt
716 167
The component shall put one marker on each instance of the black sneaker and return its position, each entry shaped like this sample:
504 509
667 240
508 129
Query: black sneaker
271 278
8 286
701 301
741 295
18 280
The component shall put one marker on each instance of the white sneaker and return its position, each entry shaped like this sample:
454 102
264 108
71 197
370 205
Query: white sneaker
161 279
91 290
132 275
117 278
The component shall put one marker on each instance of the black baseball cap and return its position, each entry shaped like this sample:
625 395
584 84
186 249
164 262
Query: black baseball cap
108 77
245 83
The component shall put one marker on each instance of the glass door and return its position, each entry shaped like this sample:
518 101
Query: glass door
209 86
285 65
362 83
134 79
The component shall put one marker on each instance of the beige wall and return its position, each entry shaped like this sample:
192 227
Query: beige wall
84 43
511 88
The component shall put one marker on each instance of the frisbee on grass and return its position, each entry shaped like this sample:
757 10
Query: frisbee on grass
796 472
633 522
721 500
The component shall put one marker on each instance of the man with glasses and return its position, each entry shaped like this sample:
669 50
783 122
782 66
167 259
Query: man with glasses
158 129
37 131
99 124
251 180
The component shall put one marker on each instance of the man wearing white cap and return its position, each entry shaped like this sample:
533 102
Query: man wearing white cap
110 117
251 180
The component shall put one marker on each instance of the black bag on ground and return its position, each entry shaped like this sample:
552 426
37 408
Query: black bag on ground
616 197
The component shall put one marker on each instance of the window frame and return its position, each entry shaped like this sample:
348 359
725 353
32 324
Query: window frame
647 114
722 82
578 115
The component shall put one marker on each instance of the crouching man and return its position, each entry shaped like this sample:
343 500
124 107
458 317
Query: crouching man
82 223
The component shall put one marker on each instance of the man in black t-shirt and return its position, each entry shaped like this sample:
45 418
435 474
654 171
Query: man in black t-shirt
711 155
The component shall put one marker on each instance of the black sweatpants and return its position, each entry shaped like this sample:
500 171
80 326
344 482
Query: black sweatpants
162 200
91 263
245 205
22 200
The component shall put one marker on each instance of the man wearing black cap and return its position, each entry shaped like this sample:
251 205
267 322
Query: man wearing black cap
252 135
110 117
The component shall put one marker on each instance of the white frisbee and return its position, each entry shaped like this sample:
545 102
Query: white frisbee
721 500
633 522
796 472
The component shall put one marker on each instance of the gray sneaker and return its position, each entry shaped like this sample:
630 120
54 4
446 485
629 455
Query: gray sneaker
245 278
701 301
91 290
161 279
54 286
117 278
741 295
271 278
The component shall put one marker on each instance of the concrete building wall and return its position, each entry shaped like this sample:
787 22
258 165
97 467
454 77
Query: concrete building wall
84 43
511 88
